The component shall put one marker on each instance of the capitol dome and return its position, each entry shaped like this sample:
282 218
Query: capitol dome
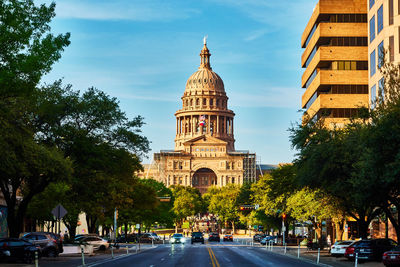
205 78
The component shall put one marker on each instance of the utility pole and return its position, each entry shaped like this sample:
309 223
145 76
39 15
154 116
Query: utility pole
115 223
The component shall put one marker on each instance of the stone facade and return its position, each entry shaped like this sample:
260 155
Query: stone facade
204 153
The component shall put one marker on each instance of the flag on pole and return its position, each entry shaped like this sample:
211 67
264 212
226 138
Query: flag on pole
202 120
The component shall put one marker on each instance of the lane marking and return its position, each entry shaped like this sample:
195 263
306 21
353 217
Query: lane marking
212 259
215 259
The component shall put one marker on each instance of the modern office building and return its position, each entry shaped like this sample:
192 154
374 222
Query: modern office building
335 61
384 33
204 153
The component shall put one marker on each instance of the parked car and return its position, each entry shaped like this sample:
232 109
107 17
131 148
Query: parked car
48 245
97 242
126 239
58 239
197 237
267 239
392 257
370 249
339 248
228 238
177 239
155 237
147 238
214 237
13 249
258 237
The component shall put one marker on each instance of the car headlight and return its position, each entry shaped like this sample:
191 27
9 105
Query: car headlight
183 240
172 239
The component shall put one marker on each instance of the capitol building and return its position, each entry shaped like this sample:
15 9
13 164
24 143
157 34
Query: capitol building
204 153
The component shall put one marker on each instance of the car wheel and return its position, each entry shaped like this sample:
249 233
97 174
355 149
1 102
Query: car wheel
29 257
192 243
102 248
52 253
202 242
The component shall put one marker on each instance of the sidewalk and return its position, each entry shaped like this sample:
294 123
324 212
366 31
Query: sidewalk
324 258
76 259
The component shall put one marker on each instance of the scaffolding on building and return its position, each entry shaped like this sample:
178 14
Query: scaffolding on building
249 168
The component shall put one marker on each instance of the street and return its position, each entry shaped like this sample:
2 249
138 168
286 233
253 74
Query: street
210 254
238 253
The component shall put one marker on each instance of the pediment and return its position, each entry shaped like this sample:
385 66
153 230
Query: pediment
205 140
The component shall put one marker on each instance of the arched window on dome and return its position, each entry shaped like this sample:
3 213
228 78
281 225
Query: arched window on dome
187 103
197 101
211 102
217 103
204 101
191 102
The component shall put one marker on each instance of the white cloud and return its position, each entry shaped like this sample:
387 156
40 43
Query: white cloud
256 34
135 10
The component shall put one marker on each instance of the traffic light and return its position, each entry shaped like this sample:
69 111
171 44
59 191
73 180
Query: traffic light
283 216
246 207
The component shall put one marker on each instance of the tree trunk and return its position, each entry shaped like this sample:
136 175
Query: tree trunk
233 227
91 223
15 225
339 231
363 228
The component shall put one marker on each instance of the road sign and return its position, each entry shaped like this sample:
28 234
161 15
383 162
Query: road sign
256 207
283 228
59 212
138 226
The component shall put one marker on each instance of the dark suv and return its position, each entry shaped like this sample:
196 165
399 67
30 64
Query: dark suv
48 245
370 249
197 237
214 237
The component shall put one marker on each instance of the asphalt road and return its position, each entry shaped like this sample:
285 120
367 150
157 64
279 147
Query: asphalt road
238 253
209 254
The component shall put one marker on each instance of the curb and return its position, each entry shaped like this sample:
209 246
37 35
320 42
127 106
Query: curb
302 259
115 258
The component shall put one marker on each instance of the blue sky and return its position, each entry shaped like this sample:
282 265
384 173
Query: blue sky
142 52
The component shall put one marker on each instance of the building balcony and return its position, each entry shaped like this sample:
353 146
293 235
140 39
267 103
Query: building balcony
332 101
334 77
332 7
326 54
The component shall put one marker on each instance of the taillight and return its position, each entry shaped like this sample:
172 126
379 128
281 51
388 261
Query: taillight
384 256
349 250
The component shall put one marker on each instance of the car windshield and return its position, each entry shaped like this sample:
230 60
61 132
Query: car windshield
363 244
177 235
197 234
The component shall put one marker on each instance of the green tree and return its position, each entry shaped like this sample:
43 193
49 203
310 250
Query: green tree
27 51
224 203
272 191
335 160
187 202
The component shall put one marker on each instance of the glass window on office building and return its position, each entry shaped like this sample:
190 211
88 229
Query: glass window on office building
391 12
371 3
381 86
381 59
373 96
372 29
380 19
372 63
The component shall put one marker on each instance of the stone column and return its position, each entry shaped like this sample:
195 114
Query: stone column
217 129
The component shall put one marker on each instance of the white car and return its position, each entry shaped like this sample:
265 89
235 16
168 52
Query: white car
97 242
338 249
